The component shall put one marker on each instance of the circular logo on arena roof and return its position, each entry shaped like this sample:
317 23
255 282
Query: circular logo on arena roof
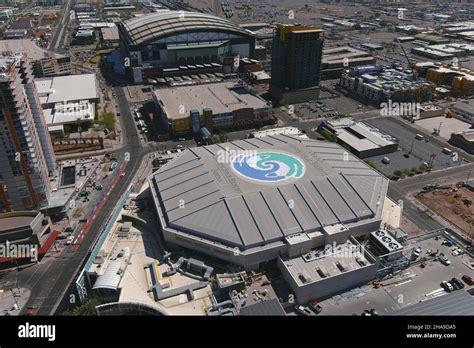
268 166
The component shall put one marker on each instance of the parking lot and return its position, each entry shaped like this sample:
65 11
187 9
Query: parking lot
419 150
411 286
326 108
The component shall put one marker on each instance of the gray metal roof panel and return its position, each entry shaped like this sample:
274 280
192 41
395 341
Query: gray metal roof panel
189 190
110 279
281 212
456 303
317 204
335 202
262 215
299 208
245 222
263 308
195 206
175 183
353 200
218 228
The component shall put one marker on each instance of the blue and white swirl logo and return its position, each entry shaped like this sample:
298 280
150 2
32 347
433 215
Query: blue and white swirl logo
268 166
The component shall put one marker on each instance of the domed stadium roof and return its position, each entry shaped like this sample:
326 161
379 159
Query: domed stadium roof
161 24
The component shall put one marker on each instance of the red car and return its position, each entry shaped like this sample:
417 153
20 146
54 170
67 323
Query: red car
468 280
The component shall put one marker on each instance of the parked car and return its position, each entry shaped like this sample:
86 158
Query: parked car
447 242
458 283
69 240
447 286
315 307
417 252
302 310
468 280
444 260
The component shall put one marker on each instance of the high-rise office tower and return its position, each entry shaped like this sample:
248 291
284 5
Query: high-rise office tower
296 63
26 152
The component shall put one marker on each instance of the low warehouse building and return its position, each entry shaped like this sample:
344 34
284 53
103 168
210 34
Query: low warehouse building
25 236
363 139
320 274
463 140
186 109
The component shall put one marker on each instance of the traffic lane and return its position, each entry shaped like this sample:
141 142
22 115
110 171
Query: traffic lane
98 224
412 212
450 175
68 268
43 294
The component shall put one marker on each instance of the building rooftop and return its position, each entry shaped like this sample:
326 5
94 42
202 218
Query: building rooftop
69 113
219 97
165 23
110 33
61 89
292 131
464 107
14 220
456 303
238 193
468 135
28 47
322 263
338 54
266 308
362 136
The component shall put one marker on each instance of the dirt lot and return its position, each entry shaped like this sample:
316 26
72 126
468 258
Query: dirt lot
453 206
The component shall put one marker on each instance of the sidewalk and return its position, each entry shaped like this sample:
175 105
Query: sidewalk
12 300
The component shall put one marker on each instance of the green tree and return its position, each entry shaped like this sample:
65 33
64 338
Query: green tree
86 309
107 119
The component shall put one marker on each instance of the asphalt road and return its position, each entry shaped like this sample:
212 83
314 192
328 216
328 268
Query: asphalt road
400 189
62 26
48 283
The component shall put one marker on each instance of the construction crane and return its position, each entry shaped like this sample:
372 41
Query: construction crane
408 60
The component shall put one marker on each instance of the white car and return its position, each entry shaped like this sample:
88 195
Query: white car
444 260
69 240
417 252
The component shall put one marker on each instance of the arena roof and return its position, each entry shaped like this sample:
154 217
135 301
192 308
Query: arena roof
166 23
266 190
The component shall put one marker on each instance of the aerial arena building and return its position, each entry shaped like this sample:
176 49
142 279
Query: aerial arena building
277 197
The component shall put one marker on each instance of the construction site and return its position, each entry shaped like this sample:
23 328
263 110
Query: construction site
453 204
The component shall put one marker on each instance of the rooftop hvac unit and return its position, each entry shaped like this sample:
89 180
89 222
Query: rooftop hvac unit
340 267
321 273
303 278
393 246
